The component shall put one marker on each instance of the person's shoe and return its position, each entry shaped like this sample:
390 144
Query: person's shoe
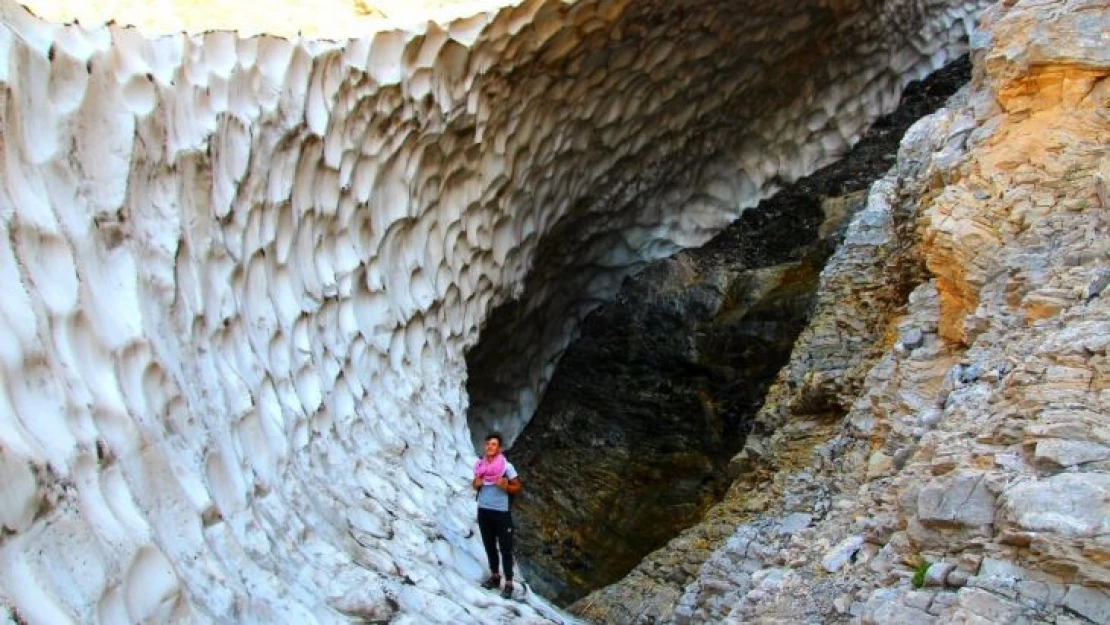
492 583
507 591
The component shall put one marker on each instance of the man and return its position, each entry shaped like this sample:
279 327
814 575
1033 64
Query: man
496 479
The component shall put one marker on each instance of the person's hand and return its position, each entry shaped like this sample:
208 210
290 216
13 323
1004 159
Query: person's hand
503 484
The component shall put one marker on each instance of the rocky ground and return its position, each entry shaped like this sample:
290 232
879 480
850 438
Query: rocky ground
938 447
647 409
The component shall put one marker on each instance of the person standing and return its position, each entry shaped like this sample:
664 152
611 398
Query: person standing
495 479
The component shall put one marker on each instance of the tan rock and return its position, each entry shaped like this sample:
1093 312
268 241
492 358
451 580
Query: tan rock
879 465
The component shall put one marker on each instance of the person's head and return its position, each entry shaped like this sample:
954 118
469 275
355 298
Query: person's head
493 444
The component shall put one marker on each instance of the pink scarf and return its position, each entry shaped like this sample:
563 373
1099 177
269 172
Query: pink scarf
490 470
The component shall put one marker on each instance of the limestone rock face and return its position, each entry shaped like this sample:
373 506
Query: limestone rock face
967 480
240 273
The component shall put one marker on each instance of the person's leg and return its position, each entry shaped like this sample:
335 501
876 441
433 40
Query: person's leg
488 526
505 542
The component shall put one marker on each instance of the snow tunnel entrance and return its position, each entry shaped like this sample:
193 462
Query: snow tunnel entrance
631 439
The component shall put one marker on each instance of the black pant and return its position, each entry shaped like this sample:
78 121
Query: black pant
497 531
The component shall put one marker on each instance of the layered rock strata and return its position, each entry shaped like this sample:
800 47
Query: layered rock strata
240 273
939 457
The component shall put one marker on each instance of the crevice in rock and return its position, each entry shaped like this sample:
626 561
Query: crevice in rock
632 439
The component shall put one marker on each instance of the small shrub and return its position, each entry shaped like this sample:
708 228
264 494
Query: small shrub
919 573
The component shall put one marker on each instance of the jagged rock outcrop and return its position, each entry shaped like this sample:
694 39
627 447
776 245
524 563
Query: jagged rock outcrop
240 273
967 480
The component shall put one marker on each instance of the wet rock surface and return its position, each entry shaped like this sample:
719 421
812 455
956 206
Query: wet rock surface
633 439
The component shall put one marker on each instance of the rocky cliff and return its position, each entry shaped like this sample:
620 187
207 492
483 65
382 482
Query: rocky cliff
936 450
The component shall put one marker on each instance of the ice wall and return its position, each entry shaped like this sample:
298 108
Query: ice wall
239 274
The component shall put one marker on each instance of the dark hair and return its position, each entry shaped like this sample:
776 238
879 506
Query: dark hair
497 435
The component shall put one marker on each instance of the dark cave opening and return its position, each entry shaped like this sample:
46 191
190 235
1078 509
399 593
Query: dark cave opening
631 439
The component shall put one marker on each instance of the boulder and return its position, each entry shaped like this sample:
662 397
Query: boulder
1066 453
1091 603
886 606
1072 505
841 554
960 500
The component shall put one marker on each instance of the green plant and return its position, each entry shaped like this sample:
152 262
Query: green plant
919 573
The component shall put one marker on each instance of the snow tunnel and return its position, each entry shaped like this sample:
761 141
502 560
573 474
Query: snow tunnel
243 269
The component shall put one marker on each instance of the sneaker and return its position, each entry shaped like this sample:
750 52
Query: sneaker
492 583
507 591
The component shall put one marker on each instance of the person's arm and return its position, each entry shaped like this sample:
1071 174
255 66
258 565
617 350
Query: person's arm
512 486
477 483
